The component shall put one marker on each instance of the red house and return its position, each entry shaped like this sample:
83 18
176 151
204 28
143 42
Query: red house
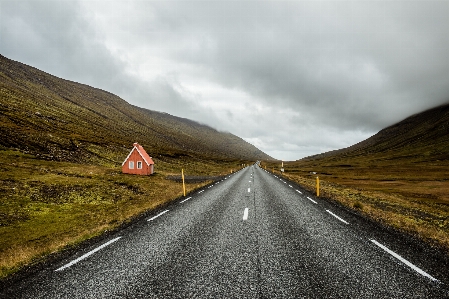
138 162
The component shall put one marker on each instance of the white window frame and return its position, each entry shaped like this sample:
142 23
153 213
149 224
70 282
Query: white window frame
131 164
139 164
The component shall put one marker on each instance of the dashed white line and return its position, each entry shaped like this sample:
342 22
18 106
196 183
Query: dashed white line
311 200
87 254
245 214
404 260
185 199
249 190
341 219
160 214
290 186
201 191
299 191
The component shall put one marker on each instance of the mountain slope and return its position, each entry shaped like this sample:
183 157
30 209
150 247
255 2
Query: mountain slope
421 137
399 176
66 121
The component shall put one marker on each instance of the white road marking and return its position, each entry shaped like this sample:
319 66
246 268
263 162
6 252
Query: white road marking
290 186
245 214
160 214
341 219
201 191
249 190
185 199
311 200
404 260
87 254
299 191
250 181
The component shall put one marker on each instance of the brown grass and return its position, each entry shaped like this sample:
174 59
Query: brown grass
46 205
411 197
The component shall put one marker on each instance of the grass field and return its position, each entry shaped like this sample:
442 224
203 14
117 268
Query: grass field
46 206
61 146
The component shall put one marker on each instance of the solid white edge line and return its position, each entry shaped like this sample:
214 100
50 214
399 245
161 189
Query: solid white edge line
341 219
299 191
185 199
423 273
87 254
160 214
245 214
311 200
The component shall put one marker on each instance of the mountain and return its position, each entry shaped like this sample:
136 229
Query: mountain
423 137
62 120
398 177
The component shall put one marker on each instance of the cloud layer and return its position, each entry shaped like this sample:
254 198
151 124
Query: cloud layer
294 78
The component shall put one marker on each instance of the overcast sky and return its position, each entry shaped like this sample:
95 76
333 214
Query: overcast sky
294 78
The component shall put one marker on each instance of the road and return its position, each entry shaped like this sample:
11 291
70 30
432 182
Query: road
252 235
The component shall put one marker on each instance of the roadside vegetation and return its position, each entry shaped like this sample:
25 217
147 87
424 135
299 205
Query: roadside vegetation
405 193
61 147
399 176
46 206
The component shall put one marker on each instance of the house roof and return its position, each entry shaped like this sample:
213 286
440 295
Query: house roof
137 147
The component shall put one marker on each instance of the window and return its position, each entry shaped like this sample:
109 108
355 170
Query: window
139 164
131 164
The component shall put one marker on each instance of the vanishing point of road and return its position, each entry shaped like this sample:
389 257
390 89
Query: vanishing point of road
251 235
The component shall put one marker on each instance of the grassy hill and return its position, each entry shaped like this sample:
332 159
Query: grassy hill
399 176
62 120
61 148
422 137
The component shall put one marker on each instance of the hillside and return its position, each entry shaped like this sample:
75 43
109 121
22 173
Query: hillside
422 137
60 120
399 176
61 147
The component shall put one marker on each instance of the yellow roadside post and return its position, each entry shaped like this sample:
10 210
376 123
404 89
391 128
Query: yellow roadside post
183 183
317 186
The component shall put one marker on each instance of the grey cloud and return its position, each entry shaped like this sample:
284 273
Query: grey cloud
54 36
327 56
339 69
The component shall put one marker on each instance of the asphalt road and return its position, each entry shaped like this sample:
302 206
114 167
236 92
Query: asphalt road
252 235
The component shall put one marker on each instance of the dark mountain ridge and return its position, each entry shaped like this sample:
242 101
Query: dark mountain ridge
63 120
421 137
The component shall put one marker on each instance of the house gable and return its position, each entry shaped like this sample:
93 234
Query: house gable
133 163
